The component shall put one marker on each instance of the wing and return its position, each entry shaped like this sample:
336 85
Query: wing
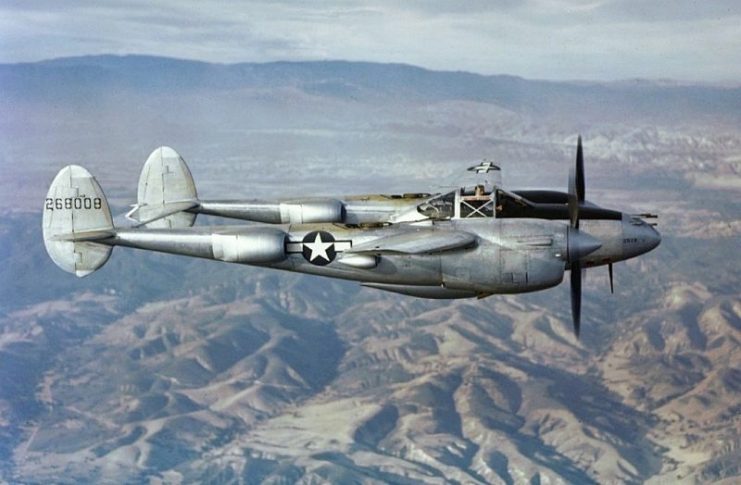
420 241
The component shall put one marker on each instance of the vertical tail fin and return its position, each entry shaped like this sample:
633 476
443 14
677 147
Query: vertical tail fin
76 214
166 190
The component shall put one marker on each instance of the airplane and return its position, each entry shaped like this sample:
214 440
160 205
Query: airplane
470 242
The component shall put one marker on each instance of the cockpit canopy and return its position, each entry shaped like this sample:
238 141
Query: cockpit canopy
470 202
478 202
439 207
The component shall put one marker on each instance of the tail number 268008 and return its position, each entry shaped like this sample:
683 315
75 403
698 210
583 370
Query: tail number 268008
82 202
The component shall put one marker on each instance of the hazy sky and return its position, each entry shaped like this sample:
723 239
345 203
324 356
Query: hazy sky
551 39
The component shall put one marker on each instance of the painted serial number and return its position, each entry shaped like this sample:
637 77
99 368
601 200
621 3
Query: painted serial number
59 203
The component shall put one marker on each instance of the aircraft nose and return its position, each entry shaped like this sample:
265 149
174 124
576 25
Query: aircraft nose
639 237
653 238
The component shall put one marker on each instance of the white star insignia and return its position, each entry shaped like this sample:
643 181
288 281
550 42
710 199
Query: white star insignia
318 248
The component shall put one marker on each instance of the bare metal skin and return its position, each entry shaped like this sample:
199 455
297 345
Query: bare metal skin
472 242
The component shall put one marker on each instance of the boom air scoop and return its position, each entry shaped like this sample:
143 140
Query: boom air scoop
76 214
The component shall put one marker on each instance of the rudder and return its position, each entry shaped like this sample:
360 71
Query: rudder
76 214
166 191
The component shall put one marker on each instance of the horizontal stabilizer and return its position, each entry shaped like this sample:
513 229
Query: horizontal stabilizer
144 214
84 236
418 242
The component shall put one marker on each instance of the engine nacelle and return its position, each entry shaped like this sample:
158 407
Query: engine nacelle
528 260
312 210
259 245
543 273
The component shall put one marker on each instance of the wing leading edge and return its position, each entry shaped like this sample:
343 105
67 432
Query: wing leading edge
418 242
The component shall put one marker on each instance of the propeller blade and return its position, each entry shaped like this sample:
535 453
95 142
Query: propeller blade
576 296
579 170
580 244
573 201
612 287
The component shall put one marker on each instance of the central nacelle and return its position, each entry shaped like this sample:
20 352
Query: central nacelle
510 258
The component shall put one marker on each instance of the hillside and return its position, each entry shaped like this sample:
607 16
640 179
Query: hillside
165 367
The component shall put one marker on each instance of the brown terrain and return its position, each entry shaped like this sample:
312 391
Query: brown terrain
168 369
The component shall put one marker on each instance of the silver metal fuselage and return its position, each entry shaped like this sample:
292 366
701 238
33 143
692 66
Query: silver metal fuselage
473 241
509 256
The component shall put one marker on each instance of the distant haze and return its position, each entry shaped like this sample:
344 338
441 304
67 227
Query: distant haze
177 370
542 39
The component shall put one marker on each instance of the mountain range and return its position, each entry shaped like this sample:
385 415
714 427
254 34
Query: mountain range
168 369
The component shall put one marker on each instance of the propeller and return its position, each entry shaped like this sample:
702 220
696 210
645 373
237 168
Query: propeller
579 170
579 243
576 296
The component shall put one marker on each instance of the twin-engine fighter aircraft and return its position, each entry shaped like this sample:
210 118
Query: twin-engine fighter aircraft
470 242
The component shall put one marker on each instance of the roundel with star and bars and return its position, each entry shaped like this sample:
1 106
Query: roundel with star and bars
319 248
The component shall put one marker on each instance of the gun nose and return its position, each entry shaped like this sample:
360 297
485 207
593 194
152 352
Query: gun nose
653 238
638 237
